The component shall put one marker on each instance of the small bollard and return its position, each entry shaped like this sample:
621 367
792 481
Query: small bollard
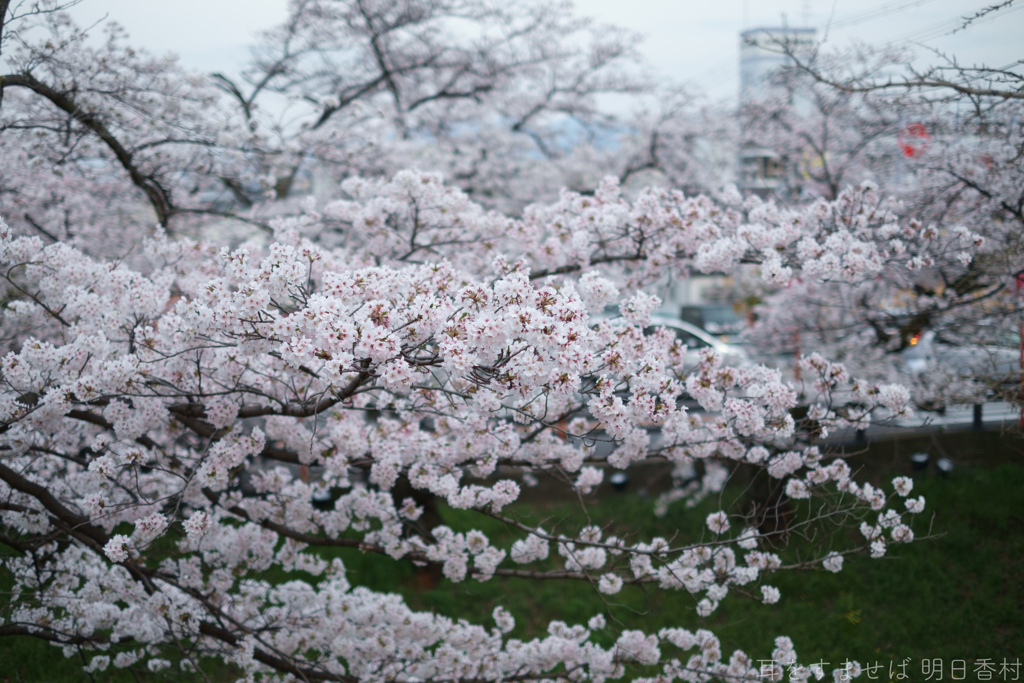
619 481
944 466
323 499
978 424
919 462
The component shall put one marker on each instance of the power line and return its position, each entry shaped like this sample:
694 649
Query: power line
723 66
947 27
878 12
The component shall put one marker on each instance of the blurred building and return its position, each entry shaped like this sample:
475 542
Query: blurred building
764 54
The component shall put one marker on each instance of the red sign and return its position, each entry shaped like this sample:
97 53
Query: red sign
913 140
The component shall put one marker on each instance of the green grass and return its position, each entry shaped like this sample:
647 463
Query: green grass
960 596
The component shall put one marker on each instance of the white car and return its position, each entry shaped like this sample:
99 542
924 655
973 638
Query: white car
996 364
696 339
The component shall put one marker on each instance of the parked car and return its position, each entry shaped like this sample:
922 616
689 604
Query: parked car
720 320
696 339
996 363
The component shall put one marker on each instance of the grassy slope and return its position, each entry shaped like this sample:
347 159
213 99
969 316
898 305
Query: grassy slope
961 596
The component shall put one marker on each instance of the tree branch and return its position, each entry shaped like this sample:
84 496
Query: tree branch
158 196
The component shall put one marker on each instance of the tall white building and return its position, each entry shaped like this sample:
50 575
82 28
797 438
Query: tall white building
763 56
761 59
764 53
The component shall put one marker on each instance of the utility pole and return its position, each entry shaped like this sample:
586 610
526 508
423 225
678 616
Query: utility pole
1019 280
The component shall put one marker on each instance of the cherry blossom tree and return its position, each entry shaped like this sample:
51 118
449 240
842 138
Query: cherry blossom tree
404 341
100 135
950 162
407 333
497 96
95 136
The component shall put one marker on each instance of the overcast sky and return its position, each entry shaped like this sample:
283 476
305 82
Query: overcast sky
691 41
